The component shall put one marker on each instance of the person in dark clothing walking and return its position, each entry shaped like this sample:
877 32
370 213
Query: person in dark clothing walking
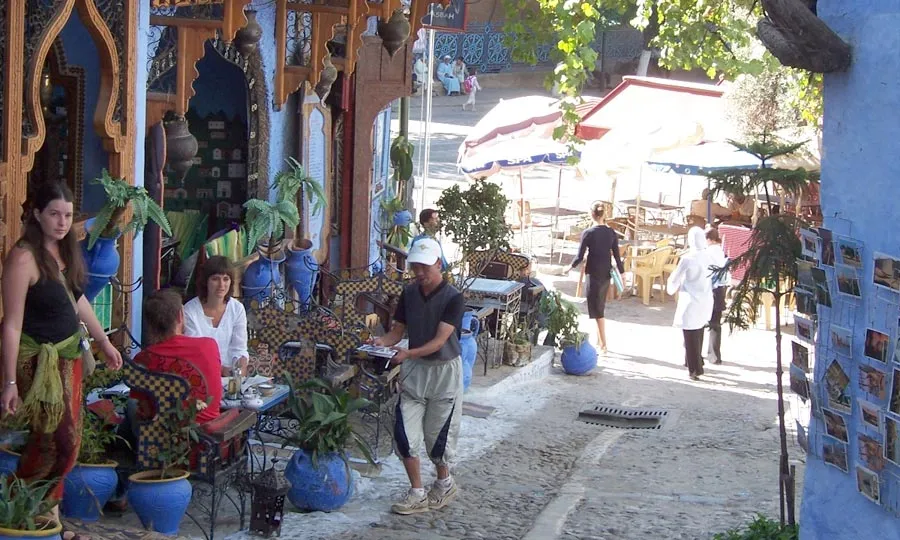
600 242
720 286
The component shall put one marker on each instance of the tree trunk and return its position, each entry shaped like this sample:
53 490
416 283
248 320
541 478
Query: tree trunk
785 493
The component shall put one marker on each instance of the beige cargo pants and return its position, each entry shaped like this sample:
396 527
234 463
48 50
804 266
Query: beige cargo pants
429 409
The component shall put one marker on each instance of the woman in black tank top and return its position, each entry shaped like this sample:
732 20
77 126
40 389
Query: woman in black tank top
41 337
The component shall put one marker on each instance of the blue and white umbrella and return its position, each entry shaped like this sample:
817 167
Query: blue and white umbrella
703 159
514 155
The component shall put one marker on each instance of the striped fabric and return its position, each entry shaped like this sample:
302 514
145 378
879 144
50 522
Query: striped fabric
232 245
189 228
735 241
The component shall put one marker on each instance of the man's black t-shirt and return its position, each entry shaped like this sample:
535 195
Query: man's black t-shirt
423 314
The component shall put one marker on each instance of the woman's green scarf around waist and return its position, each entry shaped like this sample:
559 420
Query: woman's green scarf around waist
43 405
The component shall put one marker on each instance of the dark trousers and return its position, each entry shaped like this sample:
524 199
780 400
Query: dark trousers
714 350
693 347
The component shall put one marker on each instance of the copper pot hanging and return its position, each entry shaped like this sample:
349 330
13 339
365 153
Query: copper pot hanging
327 77
394 32
248 37
181 145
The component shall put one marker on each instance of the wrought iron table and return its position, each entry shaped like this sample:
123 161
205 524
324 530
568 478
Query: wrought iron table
504 296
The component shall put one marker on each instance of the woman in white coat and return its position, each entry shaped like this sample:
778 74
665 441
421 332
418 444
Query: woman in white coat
693 283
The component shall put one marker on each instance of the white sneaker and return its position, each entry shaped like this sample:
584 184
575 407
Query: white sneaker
412 504
440 497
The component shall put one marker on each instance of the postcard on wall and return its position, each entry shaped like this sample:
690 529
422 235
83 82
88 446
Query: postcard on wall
834 453
837 384
806 301
804 275
867 484
826 247
800 356
878 345
802 436
886 272
823 290
871 452
894 403
892 440
849 252
841 340
799 383
847 280
870 414
808 241
835 425
873 382
805 329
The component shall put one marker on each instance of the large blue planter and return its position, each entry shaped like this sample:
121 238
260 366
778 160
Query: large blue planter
300 272
87 489
470 329
261 278
51 532
9 462
402 218
324 488
160 504
102 262
579 361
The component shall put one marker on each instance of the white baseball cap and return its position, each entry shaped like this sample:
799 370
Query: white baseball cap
425 251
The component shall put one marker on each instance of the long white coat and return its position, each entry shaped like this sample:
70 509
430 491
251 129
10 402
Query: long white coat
693 282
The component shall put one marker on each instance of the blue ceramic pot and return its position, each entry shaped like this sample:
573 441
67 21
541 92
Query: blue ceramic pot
88 489
102 262
261 277
160 504
51 532
402 218
324 488
470 328
301 271
580 360
9 462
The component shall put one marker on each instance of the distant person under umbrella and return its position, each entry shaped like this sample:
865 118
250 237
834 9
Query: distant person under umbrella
692 281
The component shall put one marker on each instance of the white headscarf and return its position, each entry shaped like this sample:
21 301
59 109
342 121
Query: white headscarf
693 282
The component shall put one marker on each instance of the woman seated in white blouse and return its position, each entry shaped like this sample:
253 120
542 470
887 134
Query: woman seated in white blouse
215 314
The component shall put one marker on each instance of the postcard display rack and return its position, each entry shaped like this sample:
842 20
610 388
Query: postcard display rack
846 331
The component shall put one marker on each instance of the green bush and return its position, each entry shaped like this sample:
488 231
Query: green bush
761 528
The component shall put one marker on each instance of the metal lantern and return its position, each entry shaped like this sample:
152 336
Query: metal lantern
267 503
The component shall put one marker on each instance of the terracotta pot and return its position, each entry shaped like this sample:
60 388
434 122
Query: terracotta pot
326 78
247 38
394 32
181 145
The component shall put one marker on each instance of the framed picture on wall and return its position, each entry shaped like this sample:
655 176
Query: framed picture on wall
834 453
809 241
878 345
892 440
849 252
835 425
826 247
870 414
871 452
868 484
886 272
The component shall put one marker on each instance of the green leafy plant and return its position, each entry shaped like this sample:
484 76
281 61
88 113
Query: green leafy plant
397 235
323 413
96 438
119 196
562 319
265 219
292 184
402 152
475 218
174 453
761 528
22 502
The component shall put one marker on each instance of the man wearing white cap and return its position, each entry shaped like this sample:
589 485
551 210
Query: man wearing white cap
429 409
445 75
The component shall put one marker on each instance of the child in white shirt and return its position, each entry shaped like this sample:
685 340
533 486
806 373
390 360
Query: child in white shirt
471 86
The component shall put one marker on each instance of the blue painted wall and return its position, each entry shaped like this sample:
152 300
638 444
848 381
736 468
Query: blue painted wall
859 150
81 51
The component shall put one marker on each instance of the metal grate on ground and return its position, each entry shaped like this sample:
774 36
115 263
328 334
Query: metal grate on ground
614 416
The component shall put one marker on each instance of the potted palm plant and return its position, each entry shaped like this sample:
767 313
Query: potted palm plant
301 267
517 348
93 480
319 471
578 356
266 219
160 497
22 505
106 227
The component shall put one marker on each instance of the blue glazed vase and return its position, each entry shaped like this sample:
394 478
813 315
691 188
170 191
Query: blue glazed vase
9 462
470 329
160 504
402 218
87 489
301 271
261 277
579 360
324 488
102 262
51 531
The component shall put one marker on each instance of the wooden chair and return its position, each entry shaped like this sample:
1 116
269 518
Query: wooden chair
649 267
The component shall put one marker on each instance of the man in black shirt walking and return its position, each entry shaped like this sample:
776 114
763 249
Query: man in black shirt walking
429 409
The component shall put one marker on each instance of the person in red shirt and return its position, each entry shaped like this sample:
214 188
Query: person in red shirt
167 350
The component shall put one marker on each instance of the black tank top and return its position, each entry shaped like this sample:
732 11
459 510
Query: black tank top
49 315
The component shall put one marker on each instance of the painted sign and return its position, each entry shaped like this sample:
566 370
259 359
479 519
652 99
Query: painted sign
446 19
316 163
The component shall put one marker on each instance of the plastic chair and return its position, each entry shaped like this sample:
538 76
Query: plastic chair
649 267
